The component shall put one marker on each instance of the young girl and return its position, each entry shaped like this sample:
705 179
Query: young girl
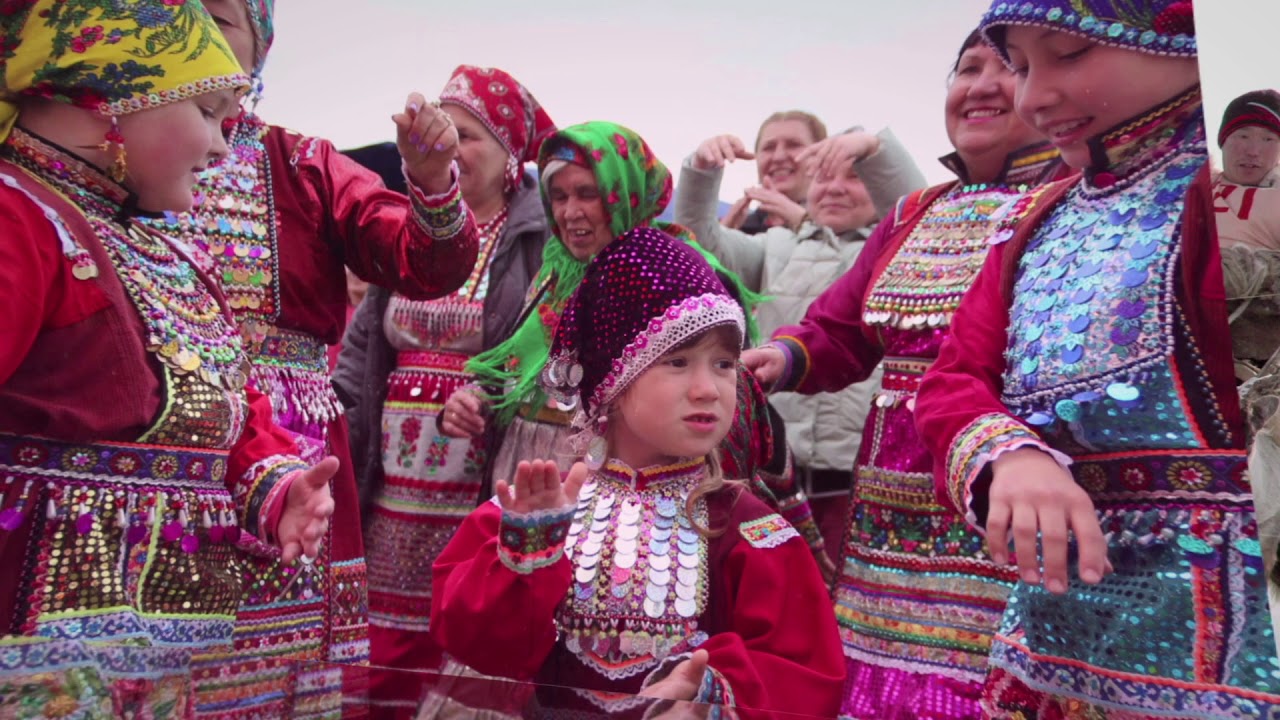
649 573
135 463
1086 389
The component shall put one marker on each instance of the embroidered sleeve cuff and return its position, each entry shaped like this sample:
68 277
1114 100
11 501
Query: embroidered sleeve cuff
527 542
766 532
265 480
714 690
975 448
797 368
797 511
443 216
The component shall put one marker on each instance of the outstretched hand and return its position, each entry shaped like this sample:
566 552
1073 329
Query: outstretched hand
307 509
715 152
1039 500
538 487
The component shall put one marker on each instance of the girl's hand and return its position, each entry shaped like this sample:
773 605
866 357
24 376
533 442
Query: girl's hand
1036 497
538 487
683 681
307 509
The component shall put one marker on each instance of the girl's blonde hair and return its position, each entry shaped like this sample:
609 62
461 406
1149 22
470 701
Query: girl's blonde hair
714 480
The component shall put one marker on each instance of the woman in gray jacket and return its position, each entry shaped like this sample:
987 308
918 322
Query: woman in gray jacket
854 185
403 359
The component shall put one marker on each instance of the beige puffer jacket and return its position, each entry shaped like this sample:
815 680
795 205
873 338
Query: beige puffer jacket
793 268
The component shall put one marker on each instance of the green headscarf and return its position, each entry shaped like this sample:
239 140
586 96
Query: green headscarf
636 187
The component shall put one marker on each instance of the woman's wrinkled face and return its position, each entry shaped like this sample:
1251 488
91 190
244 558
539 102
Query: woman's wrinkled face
840 201
780 142
578 209
1072 89
981 116
482 161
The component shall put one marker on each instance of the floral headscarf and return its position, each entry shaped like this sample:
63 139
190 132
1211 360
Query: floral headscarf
636 188
112 58
506 108
262 15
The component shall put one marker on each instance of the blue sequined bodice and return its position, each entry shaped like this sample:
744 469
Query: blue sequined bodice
1092 325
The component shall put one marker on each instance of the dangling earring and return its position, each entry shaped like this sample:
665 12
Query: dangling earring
113 145
598 448
255 92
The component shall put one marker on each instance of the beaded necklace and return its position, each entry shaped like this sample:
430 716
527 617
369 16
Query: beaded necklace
186 328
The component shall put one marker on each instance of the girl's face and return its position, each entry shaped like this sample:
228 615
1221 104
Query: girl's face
681 407
232 18
1072 89
167 146
980 113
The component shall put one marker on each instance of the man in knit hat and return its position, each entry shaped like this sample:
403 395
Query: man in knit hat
1246 194
1250 138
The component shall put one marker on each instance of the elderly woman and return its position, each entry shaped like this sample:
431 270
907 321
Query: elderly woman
403 358
137 465
795 262
277 223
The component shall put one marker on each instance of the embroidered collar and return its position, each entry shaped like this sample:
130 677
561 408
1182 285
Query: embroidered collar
71 175
1028 165
1145 139
680 472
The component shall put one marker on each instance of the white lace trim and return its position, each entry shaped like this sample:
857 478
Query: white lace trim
679 323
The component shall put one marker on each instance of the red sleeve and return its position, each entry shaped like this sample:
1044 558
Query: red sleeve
958 413
36 287
829 350
782 649
422 247
496 587
259 468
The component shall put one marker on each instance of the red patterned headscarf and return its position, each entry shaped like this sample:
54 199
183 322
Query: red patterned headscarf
506 108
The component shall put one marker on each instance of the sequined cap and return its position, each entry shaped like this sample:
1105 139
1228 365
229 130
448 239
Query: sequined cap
1158 27
643 295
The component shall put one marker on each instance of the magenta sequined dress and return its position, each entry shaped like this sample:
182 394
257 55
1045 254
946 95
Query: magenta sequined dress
918 600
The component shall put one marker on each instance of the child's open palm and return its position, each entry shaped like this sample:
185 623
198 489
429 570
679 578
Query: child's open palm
538 487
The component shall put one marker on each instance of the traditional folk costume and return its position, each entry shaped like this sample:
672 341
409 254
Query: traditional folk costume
636 187
918 599
609 595
278 220
1097 334
424 484
134 461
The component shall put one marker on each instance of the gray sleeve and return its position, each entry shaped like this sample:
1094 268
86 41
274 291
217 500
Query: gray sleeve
697 203
890 173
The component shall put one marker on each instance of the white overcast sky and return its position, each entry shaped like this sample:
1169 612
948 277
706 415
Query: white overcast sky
678 71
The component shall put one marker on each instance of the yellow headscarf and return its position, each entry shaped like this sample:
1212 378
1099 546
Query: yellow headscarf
113 58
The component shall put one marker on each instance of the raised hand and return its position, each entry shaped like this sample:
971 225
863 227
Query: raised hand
538 487
1036 497
307 509
766 363
715 152
834 155
737 213
428 143
777 204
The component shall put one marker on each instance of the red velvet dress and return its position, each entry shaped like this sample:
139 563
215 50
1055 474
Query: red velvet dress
132 464
277 221
608 596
